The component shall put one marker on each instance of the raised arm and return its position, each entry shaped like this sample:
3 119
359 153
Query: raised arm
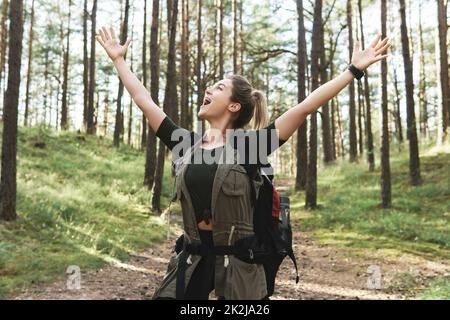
140 95
293 118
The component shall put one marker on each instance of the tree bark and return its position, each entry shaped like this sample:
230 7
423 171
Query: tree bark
64 108
85 66
311 177
302 143
414 162
8 183
30 59
91 109
385 158
119 126
352 107
150 157
443 66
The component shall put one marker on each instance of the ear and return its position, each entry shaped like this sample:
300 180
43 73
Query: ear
234 107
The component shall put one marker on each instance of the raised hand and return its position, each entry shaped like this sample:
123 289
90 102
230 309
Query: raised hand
111 44
363 59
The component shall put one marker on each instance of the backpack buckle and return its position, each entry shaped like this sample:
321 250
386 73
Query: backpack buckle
251 254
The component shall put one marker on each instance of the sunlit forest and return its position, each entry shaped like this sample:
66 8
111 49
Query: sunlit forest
85 181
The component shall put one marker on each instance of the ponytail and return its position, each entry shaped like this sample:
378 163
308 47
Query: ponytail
260 117
253 113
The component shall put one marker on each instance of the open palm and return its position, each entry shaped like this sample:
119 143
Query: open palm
111 44
363 59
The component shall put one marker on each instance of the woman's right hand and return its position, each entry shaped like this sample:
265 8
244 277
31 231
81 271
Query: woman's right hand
111 44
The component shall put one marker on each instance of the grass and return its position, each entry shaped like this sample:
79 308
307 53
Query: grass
349 213
80 202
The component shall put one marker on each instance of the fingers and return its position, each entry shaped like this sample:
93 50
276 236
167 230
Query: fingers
383 48
381 57
102 35
381 44
357 46
99 39
127 44
113 34
374 43
106 33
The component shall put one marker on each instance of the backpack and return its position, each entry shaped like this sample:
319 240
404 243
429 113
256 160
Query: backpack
272 227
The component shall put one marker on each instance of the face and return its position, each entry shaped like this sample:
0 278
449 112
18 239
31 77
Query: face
217 102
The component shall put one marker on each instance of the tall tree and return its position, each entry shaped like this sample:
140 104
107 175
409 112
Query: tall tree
118 128
185 74
352 107
200 85
91 123
64 107
30 59
302 147
85 64
150 157
311 176
325 113
385 158
170 100
234 11
367 102
144 75
414 162
423 103
443 66
221 38
8 183
3 40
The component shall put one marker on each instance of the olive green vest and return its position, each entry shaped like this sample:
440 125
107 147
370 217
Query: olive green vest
232 218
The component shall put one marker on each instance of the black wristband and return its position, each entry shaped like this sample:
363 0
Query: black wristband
356 72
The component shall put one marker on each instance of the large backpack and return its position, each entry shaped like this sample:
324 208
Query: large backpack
271 223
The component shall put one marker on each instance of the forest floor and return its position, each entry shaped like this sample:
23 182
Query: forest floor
325 273
81 202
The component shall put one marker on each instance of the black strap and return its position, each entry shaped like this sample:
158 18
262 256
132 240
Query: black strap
181 273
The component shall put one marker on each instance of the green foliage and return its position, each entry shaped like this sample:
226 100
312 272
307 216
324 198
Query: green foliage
80 202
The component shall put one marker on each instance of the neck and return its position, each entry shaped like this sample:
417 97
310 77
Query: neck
216 134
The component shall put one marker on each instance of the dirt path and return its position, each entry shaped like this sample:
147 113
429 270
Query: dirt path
325 273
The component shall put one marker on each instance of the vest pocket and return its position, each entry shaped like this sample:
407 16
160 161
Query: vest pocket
245 281
234 183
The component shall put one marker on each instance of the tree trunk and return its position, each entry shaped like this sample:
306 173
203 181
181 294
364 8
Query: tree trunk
64 108
423 103
30 59
352 107
200 91
234 38
150 157
326 132
311 176
443 66
302 143
185 74
144 76
170 100
414 162
3 43
118 128
91 108
85 66
221 58
8 183
385 158
369 133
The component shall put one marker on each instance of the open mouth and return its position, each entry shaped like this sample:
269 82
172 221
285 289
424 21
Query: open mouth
206 101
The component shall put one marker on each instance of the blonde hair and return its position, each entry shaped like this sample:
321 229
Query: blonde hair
254 112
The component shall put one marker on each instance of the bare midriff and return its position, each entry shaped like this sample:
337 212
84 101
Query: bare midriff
203 226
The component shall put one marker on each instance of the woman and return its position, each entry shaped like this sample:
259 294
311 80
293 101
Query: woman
215 196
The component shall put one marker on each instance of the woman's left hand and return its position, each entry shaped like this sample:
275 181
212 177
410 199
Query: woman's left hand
363 59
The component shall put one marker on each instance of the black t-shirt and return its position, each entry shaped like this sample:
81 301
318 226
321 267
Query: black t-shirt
199 177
